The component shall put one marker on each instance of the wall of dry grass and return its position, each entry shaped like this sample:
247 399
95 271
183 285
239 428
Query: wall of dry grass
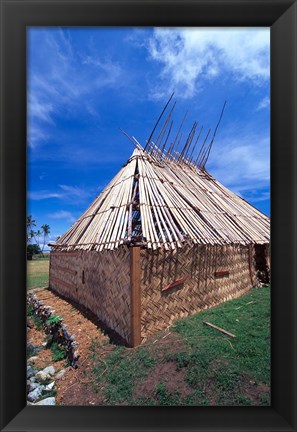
204 276
98 281
201 285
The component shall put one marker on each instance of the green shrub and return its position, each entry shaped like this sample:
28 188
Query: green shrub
58 352
33 249
53 319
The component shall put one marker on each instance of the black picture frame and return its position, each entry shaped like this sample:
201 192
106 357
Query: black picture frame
16 15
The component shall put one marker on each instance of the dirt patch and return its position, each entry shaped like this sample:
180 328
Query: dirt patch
82 395
209 392
33 335
254 391
76 387
167 374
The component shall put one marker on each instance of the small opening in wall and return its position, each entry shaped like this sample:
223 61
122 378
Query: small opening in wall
83 277
261 263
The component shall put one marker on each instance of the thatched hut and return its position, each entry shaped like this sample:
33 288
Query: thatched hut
162 241
159 243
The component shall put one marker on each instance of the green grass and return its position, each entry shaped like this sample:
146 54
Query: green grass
44 256
250 322
219 370
228 365
121 370
165 398
37 273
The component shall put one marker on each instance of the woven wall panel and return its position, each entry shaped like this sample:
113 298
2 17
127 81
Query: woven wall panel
99 281
201 289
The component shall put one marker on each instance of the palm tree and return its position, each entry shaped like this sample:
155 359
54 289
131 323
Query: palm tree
32 234
37 236
30 221
30 224
45 229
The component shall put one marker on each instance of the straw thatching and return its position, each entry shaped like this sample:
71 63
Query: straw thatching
165 205
163 240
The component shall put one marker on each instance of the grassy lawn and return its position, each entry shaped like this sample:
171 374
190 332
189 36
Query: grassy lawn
37 273
206 367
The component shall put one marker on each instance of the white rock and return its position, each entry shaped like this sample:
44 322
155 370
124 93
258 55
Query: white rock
47 401
60 374
50 386
42 377
49 370
36 394
30 371
33 386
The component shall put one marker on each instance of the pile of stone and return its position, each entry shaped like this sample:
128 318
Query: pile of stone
55 329
41 384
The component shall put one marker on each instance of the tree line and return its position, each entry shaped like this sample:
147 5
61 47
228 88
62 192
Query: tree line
35 238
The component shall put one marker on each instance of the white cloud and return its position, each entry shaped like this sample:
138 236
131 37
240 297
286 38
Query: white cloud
262 196
62 214
36 135
107 72
189 55
65 192
264 103
65 81
41 111
242 164
74 191
43 194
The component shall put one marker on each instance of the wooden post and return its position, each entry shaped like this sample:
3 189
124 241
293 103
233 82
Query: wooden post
50 270
135 333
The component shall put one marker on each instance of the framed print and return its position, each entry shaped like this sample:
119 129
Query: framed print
28 24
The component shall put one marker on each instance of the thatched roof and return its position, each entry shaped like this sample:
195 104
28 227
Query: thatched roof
157 200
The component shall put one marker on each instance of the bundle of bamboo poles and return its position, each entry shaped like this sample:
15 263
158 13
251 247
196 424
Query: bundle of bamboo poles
186 153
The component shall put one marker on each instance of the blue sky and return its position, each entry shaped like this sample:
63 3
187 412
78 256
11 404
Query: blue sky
86 83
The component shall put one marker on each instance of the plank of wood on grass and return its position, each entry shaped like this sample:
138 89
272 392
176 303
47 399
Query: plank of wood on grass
219 328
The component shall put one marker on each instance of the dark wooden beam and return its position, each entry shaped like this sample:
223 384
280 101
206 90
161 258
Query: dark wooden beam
135 334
